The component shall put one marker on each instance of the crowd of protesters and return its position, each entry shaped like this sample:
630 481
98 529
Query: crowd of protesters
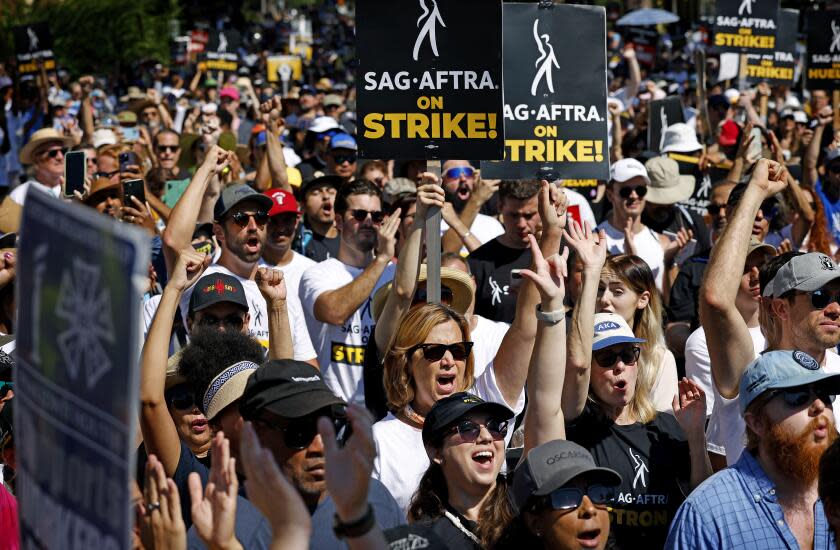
656 371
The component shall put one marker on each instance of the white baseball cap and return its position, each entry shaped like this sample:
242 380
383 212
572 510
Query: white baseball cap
611 329
800 117
626 169
104 136
680 138
323 124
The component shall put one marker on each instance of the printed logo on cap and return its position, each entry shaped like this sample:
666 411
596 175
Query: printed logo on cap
826 263
805 360
563 456
607 325
313 378
219 288
470 398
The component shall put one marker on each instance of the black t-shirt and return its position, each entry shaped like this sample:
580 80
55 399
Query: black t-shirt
655 470
320 248
495 295
452 536
373 375
308 168
684 302
682 218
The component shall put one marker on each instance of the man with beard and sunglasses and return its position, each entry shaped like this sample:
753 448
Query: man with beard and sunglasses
799 308
336 293
768 498
468 193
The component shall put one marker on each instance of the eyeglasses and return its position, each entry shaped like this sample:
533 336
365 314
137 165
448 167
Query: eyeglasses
469 430
181 398
821 299
300 432
570 498
360 215
5 388
341 159
625 192
422 295
458 171
607 358
435 352
108 175
243 218
231 322
796 398
714 209
52 153
168 148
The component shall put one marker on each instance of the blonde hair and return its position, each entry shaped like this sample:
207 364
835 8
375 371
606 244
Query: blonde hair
413 329
635 273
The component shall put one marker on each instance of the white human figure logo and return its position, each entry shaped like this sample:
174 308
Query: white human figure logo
496 291
547 58
640 468
663 118
835 37
428 29
33 39
223 43
745 8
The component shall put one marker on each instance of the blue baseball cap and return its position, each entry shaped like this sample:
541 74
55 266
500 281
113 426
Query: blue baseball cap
611 329
782 369
343 141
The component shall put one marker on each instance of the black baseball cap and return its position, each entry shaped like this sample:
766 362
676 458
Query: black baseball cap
216 288
550 466
450 409
236 193
287 388
320 181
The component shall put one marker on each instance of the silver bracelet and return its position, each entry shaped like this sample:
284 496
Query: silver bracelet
550 317
465 235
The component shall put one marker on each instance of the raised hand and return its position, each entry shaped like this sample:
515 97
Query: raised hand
270 491
387 236
484 189
590 248
429 195
214 510
769 176
690 407
8 268
140 214
552 207
629 236
217 159
548 276
271 283
348 468
673 247
188 269
163 508
271 111
825 116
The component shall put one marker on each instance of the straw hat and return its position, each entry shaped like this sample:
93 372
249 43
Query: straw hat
99 185
42 136
460 283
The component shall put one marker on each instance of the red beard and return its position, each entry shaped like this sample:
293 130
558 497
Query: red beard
797 455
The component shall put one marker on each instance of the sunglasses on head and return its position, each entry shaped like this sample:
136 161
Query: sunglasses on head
341 159
469 430
168 148
361 215
231 322
570 498
625 192
52 153
242 218
180 397
422 296
796 398
435 352
607 358
458 171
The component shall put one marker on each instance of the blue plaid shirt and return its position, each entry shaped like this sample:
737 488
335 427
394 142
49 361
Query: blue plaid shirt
738 508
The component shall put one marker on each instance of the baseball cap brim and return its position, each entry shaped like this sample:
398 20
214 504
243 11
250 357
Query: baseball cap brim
670 195
605 475
820 377
302 404
322 181
613 340
496 410
259 198
814 283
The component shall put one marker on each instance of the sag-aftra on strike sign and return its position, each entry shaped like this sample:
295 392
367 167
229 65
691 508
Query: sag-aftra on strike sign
746 26
429 79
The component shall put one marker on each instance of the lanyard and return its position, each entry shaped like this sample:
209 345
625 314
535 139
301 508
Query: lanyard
457 523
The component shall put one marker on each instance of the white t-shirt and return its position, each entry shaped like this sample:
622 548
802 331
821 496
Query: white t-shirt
647 246
698 367
726 433
341 348
484 228
302 345
18 194
401 458
487 337
292 271
576 199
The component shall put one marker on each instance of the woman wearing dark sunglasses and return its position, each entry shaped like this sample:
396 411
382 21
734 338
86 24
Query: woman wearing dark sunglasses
461 495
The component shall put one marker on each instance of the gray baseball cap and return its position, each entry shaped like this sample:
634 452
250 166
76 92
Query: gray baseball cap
807 272
236 193
774 370
552 465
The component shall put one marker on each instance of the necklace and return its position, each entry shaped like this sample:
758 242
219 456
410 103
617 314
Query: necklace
457 523
413 416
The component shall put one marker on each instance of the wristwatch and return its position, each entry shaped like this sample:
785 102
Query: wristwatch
358 528
550 317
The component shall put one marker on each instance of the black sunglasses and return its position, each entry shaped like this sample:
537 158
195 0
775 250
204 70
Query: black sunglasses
341 159
422 295
300 432
231 322
242 218
469 430
796 398
106 174
180 397
361 215
168 148
52 153
820 299
435 352
570 498
714 209
625 192
607 358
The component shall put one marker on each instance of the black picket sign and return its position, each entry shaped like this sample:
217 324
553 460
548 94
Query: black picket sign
661 114
823 29
777 67
746 26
